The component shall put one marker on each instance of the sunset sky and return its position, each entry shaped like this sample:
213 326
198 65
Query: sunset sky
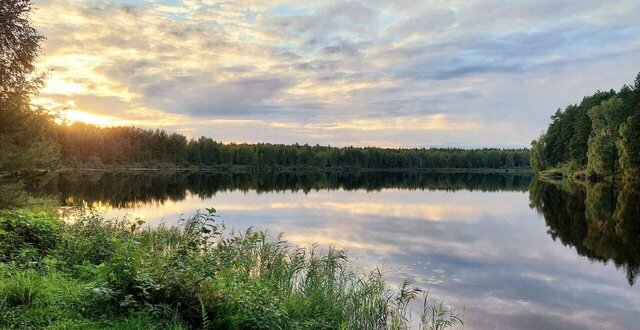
389 73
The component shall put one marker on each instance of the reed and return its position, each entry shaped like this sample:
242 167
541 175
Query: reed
101 273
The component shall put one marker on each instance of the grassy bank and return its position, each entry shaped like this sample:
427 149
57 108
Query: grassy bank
95 274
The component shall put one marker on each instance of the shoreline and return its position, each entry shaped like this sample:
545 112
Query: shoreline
581 176
247 169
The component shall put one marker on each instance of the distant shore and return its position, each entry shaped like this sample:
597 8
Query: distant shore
252 169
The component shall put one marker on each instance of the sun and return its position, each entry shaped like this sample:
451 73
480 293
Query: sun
66 112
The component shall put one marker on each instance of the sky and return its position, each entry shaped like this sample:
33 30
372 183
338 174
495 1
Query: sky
400 73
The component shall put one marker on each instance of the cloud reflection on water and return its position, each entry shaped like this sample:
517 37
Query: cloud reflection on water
486 251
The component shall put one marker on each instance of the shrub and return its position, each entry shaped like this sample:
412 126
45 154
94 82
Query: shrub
25 236
91 239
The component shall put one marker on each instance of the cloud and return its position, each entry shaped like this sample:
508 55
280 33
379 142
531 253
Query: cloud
316 65
203 97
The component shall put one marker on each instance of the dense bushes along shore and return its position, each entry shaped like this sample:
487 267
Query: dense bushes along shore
94 274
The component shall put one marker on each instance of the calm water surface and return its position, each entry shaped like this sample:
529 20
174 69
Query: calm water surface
516 253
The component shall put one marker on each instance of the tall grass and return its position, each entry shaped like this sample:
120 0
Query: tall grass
191 275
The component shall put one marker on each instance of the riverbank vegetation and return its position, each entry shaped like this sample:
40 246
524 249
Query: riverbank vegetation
598 138
93 273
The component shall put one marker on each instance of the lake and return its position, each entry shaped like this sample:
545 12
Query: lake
516 253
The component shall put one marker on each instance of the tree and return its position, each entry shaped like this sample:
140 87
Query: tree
20 45
537 161
629 146
606 120
25 130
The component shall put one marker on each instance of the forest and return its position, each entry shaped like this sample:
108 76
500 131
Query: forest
83 145
597 138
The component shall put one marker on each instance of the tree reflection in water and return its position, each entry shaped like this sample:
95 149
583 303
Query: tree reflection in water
601 220
126 189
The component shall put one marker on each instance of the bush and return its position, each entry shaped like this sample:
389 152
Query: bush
91 239
27 236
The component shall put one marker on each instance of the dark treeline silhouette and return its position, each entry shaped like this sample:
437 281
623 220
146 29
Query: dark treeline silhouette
601 220
601 135
87 145
128 189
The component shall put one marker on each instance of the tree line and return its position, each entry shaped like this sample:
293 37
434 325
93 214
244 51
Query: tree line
83 144
601 135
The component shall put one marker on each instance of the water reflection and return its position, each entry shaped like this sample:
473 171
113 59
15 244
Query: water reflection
471 239
601 221
124 190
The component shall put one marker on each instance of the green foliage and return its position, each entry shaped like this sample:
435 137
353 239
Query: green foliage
578 143
25 132
598 135
26 236
606 120
629 146
121 275
20 45
34 299
90 239
537 157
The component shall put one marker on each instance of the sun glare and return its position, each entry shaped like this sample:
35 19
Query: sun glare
56 85
74 116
